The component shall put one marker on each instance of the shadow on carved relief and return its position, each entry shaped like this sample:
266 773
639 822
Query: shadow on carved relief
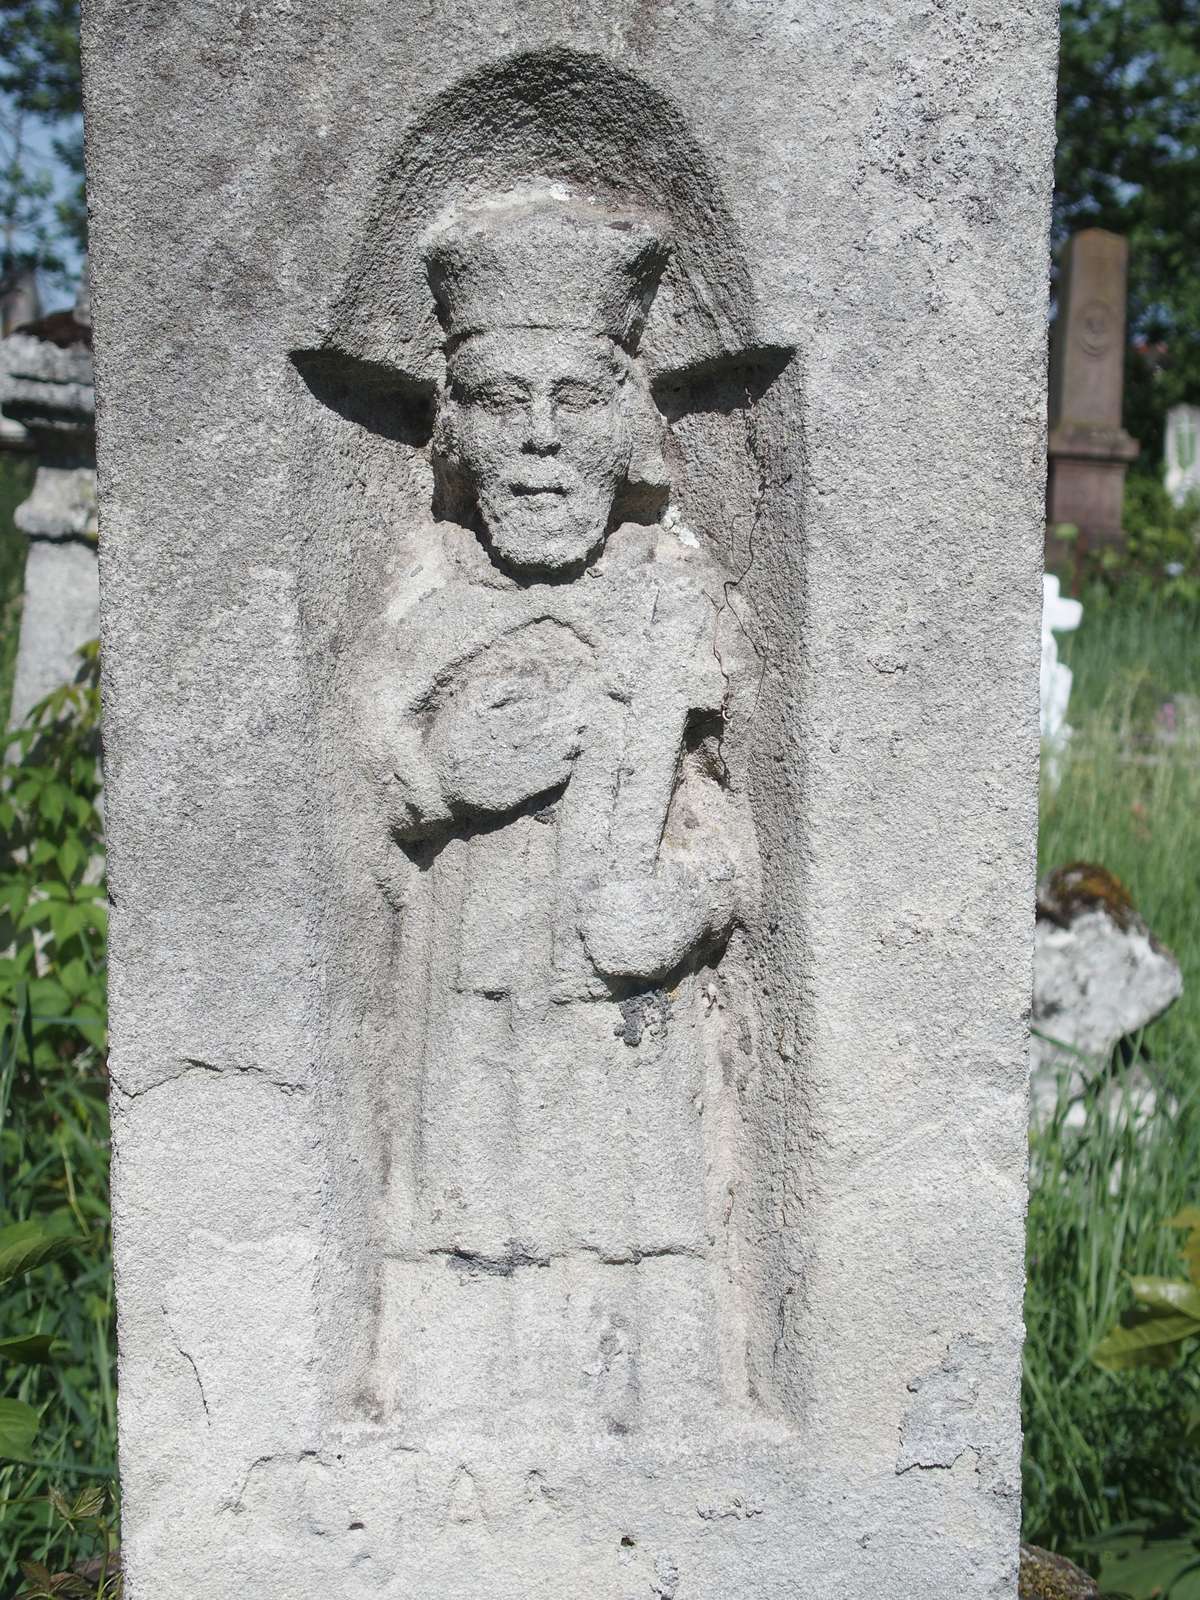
548 721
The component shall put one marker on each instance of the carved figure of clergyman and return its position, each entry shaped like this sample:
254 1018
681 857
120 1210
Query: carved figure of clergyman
542 708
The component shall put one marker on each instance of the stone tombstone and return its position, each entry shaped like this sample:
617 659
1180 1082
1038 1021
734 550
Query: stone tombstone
1183 453
46 392
571 546
1089 449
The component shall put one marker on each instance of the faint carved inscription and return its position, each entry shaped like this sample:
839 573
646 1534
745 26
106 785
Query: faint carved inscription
1097 323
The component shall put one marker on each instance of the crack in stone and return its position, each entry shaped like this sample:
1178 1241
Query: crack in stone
195 1369
191 1064
471 1263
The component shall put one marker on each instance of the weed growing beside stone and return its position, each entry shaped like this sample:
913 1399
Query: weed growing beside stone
54 1140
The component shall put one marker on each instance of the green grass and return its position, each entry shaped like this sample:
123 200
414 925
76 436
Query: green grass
1102 1449
54 1161
1127 800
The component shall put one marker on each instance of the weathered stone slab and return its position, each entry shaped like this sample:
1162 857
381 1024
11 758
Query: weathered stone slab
571 528
1089 449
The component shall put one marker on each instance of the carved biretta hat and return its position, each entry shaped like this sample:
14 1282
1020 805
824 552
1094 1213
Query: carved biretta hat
545 262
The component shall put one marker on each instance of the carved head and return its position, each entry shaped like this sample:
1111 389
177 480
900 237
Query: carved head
544 413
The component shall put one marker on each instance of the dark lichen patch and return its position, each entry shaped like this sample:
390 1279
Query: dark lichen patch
1045 1576
1066 893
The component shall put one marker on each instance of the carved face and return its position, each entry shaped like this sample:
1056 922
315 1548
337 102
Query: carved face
534 419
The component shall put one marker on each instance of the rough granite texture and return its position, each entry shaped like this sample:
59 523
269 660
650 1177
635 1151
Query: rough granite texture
806 1381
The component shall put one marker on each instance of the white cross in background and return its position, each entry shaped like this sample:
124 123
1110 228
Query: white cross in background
1061 616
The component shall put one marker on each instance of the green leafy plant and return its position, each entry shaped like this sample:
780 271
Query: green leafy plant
53 910
1161 1559
96 1579
24 1246
1159 560
1156 1332
54 1134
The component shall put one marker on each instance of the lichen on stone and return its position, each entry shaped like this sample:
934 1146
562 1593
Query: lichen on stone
1067 892
1045 1576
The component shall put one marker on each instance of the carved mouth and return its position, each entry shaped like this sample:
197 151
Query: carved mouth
534 489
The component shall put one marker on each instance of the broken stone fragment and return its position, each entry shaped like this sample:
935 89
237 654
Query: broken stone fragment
1099 975
1045 1576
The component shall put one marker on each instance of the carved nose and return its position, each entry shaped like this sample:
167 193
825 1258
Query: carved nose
541 430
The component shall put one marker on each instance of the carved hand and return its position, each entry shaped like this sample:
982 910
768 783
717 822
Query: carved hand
504 739
647 927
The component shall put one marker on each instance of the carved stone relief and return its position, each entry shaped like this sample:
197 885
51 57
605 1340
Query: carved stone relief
548 713
542 713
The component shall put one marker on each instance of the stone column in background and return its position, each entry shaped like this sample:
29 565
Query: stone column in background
1182 451
571 523
46 387
20 302
1089 449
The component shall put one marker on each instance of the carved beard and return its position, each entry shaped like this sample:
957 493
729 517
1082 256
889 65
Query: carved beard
549 530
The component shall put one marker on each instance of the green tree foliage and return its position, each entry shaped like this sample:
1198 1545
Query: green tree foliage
39 93
1128 159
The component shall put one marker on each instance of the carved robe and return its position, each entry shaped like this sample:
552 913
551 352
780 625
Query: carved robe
567 856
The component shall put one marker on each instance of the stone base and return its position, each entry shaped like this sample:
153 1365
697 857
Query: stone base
1086 487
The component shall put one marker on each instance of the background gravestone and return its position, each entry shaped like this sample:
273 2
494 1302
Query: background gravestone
46 391
568 1042
1089 449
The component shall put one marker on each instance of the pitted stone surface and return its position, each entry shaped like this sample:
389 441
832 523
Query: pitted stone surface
567 929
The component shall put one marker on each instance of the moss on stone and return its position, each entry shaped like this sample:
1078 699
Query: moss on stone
1045 1576
1067 892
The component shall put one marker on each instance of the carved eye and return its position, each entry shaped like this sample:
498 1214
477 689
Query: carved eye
575 396
500 398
